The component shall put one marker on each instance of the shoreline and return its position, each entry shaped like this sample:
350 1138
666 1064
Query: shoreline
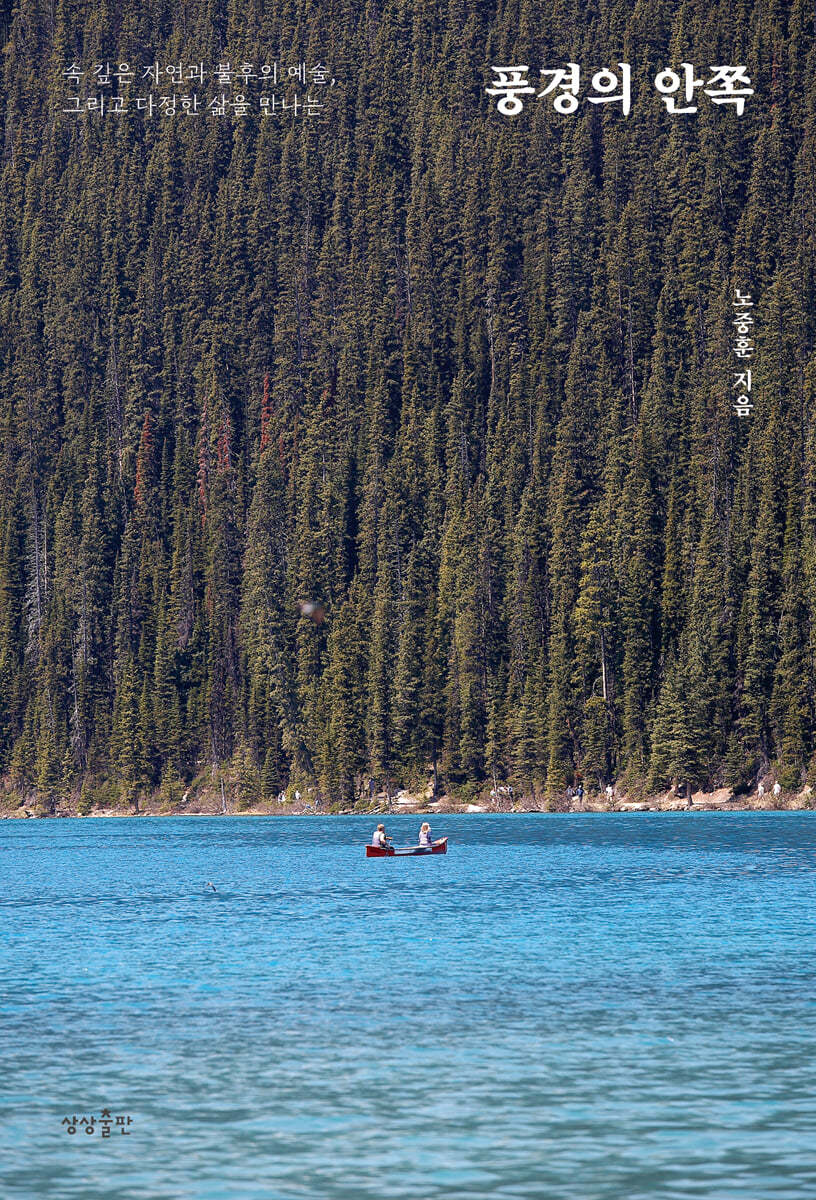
720 801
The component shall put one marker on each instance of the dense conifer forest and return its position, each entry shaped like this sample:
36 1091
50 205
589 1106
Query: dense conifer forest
336 447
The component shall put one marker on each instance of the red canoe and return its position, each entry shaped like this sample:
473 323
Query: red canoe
438 847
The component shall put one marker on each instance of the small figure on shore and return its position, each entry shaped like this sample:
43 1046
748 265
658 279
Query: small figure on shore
580 792
760 789
379 838
425 834
777 788
609 791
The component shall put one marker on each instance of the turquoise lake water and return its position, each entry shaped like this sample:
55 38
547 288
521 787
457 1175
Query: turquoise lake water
600 1006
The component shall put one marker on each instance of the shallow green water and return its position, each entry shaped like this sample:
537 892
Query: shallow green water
583 1007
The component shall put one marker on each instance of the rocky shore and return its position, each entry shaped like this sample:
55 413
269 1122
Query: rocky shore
209 801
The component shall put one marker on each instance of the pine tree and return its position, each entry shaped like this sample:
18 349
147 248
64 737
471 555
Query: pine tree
403 439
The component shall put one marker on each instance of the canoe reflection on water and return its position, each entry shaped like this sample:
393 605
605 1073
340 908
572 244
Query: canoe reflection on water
438 847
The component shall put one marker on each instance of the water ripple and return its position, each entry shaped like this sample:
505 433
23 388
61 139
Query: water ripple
584 1008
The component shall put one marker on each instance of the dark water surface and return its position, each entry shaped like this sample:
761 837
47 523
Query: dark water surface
577 1007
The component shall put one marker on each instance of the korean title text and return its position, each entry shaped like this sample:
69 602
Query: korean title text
679 91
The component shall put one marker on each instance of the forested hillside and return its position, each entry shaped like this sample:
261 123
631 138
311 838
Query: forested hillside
334 446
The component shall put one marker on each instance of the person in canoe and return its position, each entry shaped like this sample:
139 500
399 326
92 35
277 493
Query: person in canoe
378 837
425 835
